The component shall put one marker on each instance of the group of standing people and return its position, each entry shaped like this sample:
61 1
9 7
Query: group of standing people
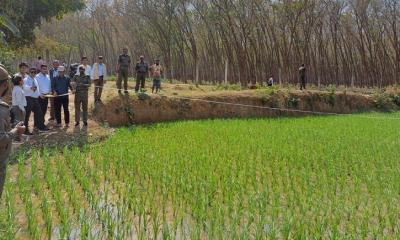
39 88
36 92
142 70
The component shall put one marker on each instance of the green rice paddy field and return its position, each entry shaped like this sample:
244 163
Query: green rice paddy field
304 178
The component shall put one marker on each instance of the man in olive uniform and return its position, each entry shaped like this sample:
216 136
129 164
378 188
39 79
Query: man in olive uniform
124 63
81 84
5 134
142 69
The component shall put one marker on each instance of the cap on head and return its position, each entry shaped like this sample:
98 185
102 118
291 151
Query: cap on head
23 64
81 67
4 76
100 57
61 69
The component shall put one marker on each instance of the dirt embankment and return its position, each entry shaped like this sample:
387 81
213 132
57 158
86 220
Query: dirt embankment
126 110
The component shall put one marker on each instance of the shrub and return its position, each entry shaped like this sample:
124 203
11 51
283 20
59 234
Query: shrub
382 101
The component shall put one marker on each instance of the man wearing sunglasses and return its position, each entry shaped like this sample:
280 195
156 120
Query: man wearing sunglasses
32 100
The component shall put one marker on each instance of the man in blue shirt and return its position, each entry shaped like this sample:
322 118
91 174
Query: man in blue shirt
60 86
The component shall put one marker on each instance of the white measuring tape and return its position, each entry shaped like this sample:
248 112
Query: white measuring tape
255 106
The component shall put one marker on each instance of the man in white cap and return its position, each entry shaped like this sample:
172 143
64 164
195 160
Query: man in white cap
61 85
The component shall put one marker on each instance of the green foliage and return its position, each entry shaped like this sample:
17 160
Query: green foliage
382 101
228 87
332 95
396 99
7 57
7 24
27 15
292 102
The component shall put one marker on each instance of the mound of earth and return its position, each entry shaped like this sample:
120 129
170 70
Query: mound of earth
183 105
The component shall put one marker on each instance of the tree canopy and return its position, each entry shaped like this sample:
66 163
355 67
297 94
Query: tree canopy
28 14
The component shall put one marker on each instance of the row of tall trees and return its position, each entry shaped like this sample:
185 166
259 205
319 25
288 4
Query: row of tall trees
342 42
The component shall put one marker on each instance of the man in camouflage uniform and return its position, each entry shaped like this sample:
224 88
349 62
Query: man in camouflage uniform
124 63
6 134
81 84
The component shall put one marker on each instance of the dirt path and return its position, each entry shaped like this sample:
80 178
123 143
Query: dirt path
60 137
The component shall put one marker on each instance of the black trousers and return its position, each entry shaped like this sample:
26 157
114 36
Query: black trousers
33 105
58 103
302 82
44 104
140 81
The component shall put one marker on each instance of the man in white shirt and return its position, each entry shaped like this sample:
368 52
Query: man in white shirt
31 92
88 69
44 85
99 77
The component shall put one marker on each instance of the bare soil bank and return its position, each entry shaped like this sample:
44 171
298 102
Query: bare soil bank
143 108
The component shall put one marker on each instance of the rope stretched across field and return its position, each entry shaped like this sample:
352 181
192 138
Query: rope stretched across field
248 105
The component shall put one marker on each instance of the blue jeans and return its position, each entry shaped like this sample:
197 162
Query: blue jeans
156 83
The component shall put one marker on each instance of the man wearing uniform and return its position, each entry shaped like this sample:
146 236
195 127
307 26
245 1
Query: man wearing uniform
81 84
5 134
142 69
124 63
302 73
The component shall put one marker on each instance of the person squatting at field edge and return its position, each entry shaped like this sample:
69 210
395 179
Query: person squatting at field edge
6 133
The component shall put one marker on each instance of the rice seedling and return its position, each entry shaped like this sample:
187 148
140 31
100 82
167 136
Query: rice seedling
10 213
321 177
